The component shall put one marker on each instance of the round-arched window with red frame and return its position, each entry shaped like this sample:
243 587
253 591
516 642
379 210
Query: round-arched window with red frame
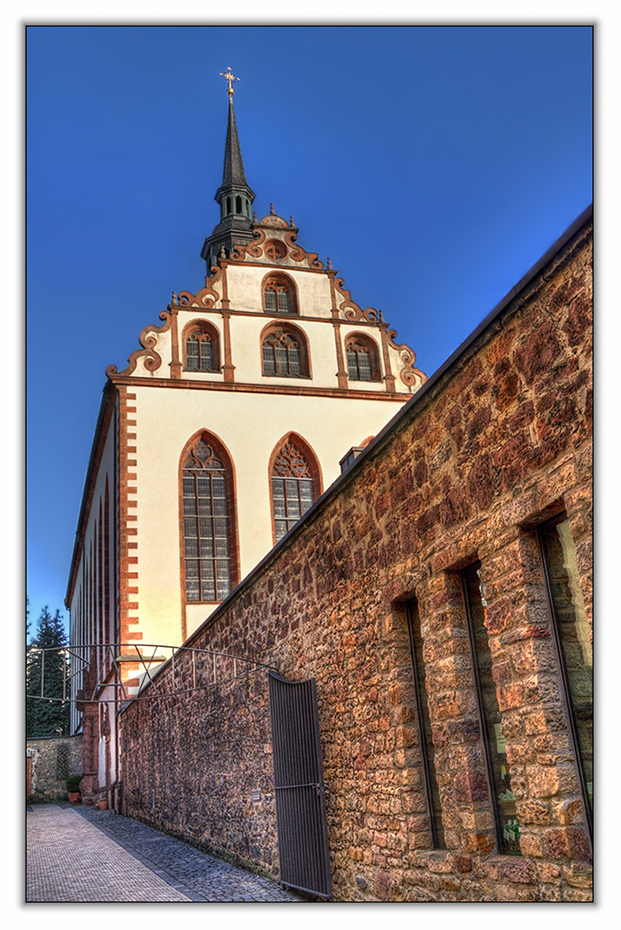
201 348
279 295
362 358
284 352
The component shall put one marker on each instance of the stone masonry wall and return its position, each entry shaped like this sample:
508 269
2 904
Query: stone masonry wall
498 443
52 761
209 776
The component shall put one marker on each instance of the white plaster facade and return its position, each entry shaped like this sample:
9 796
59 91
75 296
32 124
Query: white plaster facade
248 411
250 428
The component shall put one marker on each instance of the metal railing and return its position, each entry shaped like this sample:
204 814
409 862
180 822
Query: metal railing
106 662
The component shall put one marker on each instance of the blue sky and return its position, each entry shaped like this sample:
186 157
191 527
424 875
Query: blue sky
434 165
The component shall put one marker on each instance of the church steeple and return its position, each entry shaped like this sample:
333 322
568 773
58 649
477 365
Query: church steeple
234 195
233 176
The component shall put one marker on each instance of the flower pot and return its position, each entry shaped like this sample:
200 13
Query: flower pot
103 804
74 797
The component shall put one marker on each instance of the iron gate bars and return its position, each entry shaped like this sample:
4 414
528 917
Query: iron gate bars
300 790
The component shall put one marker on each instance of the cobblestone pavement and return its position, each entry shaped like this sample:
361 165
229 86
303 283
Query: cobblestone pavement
81 854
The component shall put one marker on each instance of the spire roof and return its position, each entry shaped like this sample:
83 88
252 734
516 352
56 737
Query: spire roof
234 195
233 173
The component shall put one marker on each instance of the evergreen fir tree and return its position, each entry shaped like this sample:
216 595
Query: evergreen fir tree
48 716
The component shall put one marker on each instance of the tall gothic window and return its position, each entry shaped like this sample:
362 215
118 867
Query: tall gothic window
362 359
295 485
285 353
201 348
279 292
206 523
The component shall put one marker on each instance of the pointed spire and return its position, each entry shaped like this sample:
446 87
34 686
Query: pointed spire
234 195
233 173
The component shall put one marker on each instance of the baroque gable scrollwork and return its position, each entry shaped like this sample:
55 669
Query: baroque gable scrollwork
409 374
148 339
295 252
207 297
253 250
351 310
298 254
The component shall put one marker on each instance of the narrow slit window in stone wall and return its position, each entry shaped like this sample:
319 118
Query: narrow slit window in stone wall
498 769
62 761
573 640
424 726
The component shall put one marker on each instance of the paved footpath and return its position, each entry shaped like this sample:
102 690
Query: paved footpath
81 854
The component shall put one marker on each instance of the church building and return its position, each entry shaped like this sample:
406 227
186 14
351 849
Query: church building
330 619
242 406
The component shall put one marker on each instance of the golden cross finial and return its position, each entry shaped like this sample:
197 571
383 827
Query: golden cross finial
230 77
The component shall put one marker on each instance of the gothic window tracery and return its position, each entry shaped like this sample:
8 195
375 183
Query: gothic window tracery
279 291
362 359
202 348
294 487
207 523
285 353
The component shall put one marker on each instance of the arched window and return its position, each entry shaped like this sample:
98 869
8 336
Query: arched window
208 522
285 353
362 359
279 293
201 347
296 483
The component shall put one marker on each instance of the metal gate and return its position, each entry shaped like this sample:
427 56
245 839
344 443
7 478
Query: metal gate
300 791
